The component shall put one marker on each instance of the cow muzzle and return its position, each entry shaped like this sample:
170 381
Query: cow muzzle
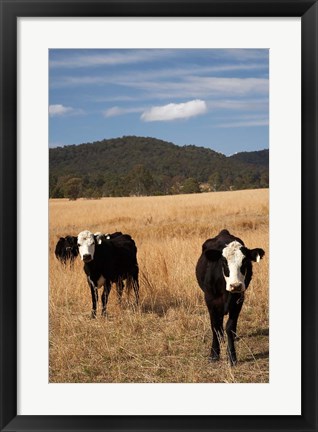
237 287
87 258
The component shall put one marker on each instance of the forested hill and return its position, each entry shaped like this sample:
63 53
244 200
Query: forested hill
147 166
260 157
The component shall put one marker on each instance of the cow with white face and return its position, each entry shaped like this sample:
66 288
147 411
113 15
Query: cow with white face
86 245
224 271
108 259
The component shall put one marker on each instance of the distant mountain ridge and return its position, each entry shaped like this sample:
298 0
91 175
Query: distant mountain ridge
133 165
260 157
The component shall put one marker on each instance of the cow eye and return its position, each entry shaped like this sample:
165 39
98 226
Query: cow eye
225 267
244 266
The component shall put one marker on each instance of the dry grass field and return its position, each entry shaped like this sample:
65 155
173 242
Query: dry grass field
168 339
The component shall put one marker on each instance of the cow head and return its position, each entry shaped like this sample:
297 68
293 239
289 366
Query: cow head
86 245
70 243
235 259
99 237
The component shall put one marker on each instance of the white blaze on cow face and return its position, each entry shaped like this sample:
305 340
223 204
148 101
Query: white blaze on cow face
234 257
86 245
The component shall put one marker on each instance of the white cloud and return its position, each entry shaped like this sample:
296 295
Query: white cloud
194 81
239 104
252 122
111 58
232 86
201 87
61 110
116 111
175 111
243 55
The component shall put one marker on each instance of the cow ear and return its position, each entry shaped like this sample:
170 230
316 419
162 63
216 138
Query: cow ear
212 254
256 254
98 239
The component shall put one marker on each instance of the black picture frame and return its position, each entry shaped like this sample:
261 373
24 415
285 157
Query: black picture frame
10 11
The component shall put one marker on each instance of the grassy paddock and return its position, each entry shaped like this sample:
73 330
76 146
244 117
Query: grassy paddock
168 338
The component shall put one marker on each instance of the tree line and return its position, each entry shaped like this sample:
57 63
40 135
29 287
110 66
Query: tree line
139 166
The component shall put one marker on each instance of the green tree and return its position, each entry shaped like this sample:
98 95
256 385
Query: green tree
215 181
264 180
73 188
177 184
190 185
140 181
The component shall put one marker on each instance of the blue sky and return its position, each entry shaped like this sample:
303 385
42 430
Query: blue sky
216 98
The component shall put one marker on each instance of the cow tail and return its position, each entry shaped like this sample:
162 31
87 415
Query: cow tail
132 283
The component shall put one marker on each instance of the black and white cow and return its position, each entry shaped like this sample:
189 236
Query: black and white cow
106 261
66 249
224 271
102 237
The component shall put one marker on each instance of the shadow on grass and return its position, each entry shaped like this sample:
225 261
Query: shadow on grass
259 332
257 356
159 308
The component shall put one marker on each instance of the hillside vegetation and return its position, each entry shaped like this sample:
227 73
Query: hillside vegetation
168 338
141 166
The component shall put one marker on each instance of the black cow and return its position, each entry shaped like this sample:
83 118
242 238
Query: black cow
224 271
66 249
101 237
108 260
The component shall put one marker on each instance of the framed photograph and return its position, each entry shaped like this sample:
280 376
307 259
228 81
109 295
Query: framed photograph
177 141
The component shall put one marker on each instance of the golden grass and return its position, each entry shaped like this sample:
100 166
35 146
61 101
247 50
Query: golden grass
168 338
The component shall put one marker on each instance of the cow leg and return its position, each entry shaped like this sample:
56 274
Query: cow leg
136 284
218 335
216 317
120 289
234 311
94 298
106 291
136 289
132 281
